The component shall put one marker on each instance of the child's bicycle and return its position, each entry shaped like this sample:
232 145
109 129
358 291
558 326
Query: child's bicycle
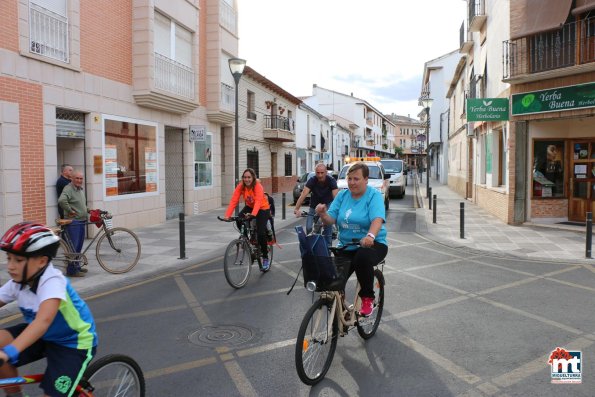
114 375
242 252
331 316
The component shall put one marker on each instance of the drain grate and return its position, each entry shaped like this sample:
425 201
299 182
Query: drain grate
222 335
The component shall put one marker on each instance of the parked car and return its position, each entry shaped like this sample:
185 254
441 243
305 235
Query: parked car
377 178
398 179
299 186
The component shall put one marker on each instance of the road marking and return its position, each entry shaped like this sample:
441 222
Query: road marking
265 348
233 369
425 308
431 355
143 313
239 378
196 307
539 364
248 296
530 315
179 368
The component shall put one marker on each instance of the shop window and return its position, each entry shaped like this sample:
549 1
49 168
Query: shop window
130 157
203 165
548 168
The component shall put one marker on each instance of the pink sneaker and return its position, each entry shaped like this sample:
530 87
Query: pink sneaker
367 306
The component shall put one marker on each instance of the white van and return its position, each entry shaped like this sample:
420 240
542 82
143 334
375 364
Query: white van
398 179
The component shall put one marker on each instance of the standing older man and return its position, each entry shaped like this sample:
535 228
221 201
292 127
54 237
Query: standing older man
65 178
324 189
74 204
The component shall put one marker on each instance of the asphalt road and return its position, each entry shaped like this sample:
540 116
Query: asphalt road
455 323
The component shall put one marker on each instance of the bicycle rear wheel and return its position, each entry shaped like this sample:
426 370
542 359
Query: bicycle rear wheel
316 342
237 263
118 250
270 256
60 261
115 375
367 326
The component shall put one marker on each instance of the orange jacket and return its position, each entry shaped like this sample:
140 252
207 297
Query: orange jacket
254 199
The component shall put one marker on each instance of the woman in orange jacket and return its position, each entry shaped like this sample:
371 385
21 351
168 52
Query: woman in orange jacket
257 206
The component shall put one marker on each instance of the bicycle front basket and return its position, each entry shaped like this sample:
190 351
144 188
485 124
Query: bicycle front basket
108 223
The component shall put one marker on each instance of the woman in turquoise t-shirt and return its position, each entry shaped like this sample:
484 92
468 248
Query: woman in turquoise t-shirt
359 214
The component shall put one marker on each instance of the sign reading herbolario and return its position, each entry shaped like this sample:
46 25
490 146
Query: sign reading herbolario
554 99
487 109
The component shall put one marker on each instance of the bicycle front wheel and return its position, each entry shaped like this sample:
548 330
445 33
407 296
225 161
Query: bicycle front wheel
115 375
367 326
118 250
237 263
316 342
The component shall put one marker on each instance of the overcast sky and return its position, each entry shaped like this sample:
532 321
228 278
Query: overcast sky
375 49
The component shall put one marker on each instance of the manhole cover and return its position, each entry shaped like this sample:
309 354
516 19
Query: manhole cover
221 335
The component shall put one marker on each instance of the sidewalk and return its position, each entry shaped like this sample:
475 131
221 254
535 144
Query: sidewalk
485 232
206 238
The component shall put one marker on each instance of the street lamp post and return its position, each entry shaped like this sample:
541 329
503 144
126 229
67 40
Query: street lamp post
332 123
236 66
426 103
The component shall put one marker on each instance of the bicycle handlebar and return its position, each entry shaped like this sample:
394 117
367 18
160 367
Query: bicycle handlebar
235 218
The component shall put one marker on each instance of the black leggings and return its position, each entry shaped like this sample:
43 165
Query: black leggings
363 261
261 228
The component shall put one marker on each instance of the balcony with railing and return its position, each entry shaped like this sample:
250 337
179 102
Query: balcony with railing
174 77
561 52
279 128
228 18
48 33
477 15
172 88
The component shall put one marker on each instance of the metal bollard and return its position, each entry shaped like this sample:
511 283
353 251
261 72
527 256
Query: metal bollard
589 234
434 210
462 226
430 197
182 237
283 206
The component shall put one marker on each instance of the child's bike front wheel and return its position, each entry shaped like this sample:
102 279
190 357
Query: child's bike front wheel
115 375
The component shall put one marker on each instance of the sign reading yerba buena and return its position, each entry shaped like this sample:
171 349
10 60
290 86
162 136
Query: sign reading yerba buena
554 99
487 109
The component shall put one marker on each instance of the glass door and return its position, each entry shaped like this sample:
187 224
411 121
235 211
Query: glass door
582 180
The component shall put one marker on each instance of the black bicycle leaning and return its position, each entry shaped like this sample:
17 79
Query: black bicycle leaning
331 316
242 252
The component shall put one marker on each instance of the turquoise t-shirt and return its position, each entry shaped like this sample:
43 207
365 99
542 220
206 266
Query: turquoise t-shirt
354 217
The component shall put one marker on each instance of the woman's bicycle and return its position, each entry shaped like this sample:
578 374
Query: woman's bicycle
332 316
118 249
242 252
114 375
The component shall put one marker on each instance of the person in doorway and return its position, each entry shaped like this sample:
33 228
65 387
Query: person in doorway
64 179
74 204
324 189
256 206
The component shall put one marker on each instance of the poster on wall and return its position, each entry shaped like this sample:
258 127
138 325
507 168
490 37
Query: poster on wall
111 170
151 169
